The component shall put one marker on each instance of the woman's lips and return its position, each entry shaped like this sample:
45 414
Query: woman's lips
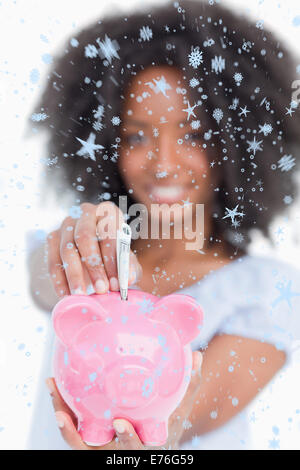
167 193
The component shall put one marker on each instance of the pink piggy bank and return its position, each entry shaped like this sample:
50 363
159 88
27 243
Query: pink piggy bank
124 359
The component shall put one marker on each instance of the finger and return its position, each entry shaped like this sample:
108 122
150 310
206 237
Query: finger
65 418
186 405
195 381
54 262
69 431
196 371
135 269
67 421
87 243
71 257
128 438
108 245
109 219
57 401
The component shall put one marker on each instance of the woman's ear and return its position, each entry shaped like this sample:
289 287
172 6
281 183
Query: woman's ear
182 313
72 313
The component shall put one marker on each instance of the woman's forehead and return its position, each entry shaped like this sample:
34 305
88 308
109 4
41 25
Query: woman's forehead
154 96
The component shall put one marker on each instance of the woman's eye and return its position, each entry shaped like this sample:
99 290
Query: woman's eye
193 136
135 139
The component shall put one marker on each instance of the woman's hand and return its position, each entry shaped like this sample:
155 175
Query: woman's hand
80 253
127 438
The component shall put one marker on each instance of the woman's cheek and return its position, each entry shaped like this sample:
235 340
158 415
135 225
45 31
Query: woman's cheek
132 164
197 161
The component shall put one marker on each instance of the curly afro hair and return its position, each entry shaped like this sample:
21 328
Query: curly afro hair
239 74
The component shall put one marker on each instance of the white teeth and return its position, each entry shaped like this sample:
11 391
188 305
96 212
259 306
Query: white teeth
168 191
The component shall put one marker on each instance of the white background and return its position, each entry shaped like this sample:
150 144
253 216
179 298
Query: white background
28 30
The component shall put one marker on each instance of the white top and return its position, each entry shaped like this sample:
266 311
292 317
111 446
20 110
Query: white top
255 297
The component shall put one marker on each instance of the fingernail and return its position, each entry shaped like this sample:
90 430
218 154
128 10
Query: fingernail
59 420
119 426
78 291
50 386
100 286
90 289
114 283
199 360
140 271
198 365
132 276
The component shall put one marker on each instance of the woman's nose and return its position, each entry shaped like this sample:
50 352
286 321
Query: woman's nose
166 156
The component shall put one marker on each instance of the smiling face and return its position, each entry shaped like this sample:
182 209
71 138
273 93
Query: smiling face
162 157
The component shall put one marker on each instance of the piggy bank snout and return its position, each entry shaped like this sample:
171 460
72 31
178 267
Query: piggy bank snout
130 386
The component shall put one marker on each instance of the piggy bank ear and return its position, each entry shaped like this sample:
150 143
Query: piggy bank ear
73 312
182 312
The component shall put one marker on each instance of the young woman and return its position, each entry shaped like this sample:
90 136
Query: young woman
185 103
